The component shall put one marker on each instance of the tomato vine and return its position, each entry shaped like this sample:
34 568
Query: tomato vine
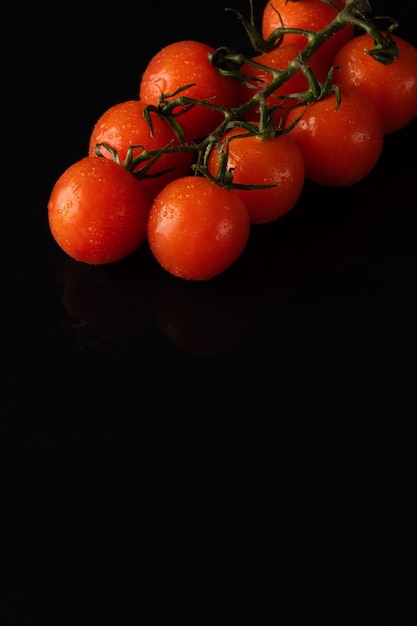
219 140
228 63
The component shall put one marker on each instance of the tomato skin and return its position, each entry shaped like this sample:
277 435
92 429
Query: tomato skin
183 63
339 146
392 88
257 161
196 229
278 59
123 125
308 15
98 211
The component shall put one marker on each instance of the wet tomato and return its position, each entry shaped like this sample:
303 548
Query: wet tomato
312 15
182 63
391 87
197 229
98 211
124 125
277 162
340 145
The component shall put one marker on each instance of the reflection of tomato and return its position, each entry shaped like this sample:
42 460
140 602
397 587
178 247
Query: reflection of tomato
124 125
203 319
108 301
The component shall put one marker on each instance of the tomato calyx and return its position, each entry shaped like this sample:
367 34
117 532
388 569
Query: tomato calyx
358 13
224 176
355 12
315 39
384 49
171 108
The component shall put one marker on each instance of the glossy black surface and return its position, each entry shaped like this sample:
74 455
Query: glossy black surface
282 391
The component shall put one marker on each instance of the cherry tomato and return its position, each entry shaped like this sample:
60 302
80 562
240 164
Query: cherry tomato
312 15
98 211
182 63
257 161
278 59
392 88
124 125
340 146
197 229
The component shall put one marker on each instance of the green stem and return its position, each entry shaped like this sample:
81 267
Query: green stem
172 106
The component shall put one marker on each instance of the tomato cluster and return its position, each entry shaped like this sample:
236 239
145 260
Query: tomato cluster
215 141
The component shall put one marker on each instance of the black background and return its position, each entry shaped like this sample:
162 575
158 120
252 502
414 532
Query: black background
209 451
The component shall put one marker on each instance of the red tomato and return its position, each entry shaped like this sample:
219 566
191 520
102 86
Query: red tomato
197 229
98 211
312 15
392 88
257 161
278 59
184 63
340 146
123 125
